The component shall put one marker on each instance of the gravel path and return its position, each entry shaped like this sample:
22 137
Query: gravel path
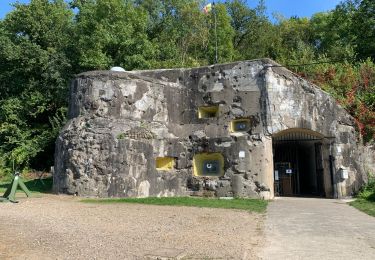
61 227
307 228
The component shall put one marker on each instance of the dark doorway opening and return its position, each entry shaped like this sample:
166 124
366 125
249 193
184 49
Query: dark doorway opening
298 164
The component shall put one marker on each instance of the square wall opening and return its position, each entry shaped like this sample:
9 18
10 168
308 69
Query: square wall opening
208 164
240 125
208 111
165 163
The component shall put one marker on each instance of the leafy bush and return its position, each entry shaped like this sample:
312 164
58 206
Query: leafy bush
366 197
368 191
353 85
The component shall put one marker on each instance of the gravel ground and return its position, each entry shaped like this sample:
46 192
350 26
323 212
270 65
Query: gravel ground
61 227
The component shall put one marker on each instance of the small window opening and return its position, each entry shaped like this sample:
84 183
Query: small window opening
164 163
240 125
208 164
208 111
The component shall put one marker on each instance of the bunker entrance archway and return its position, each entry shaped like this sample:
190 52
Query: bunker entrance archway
298 163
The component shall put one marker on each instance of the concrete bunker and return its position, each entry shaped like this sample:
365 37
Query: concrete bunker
298 163
222 128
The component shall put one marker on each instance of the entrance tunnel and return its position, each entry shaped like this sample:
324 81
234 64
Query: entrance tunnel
298 163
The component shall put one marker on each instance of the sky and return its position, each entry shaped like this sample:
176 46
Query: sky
300 8
288 8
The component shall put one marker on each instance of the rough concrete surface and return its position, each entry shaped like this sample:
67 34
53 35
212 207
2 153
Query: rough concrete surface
307 228
122 123
61 227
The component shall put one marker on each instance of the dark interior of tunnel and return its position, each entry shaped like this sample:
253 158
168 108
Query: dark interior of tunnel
297 168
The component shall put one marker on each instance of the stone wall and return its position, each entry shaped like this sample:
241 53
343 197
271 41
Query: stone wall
120 122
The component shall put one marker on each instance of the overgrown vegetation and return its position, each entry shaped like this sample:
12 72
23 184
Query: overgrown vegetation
254 205
44 43
366 198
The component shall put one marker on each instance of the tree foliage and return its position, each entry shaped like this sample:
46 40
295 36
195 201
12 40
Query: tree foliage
44 43
112 32
34 69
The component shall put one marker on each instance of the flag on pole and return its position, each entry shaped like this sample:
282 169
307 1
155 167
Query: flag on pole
207 8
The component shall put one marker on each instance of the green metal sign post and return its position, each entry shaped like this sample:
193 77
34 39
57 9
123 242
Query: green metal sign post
10 193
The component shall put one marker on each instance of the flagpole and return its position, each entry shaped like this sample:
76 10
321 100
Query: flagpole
216 54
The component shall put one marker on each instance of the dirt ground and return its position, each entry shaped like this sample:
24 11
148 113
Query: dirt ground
61 227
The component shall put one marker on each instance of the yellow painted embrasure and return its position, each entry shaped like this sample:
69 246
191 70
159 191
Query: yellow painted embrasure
200 159
240 120
208 111
164 163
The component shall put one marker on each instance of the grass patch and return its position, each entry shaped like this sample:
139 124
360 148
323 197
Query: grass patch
34 186
364 205
254 205
366 197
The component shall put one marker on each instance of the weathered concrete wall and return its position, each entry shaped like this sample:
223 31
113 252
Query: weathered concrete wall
120 122
295 103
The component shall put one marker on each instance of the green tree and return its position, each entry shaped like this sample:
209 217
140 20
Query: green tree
292 42
112 32
179 31
332 32
33 81
221 34
363 27
254 34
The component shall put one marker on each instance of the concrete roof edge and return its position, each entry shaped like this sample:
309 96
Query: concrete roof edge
108 72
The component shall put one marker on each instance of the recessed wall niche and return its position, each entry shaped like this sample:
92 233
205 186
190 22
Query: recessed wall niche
208 164
164 163
240 125
208 111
